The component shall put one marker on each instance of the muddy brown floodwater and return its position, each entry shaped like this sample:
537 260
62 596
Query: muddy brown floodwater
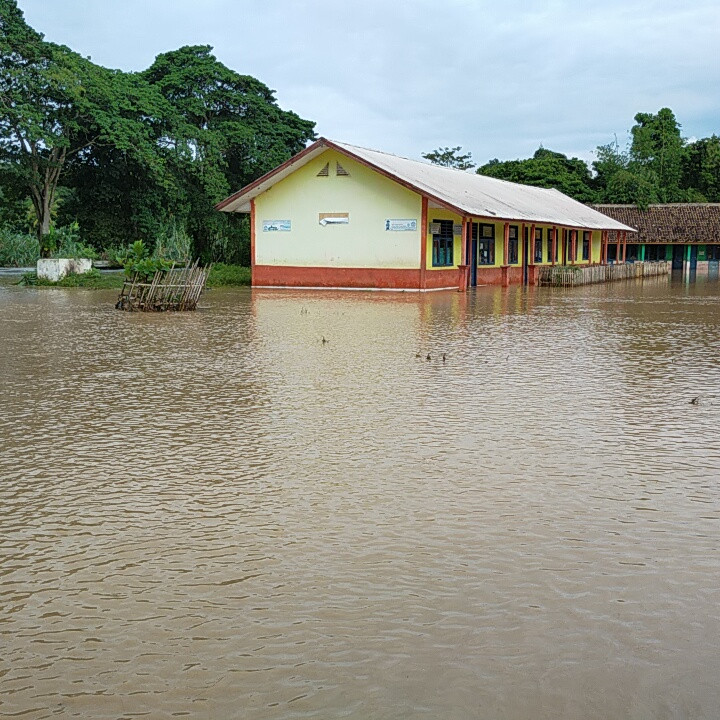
217 515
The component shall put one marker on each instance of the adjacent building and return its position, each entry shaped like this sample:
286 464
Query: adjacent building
337 215
688 234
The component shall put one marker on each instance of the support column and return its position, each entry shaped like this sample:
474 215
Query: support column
573 246
624 246
423 241
617 247
463 267
604 246
531 256
252 239
554 244
506 253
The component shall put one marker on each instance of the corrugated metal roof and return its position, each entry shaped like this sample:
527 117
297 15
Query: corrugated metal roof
468 193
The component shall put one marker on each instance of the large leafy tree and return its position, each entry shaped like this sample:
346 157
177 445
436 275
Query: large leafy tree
234 132
701 169
546 169
56 106
657 151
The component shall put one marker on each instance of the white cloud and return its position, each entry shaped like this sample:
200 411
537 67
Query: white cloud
498 78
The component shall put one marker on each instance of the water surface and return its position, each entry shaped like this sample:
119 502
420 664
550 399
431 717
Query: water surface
217 515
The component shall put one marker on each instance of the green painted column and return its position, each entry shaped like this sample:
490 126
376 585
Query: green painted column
642 253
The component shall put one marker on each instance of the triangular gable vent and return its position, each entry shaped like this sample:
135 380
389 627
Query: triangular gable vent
325 171
342 171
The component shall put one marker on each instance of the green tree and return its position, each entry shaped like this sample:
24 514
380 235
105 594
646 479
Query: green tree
546 169
657 148
56 105
234 132
450 157
701 169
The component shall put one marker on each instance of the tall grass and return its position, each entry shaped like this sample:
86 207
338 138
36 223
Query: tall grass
18 249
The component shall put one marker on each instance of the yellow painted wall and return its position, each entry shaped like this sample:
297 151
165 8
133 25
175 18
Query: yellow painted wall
369 199
595 240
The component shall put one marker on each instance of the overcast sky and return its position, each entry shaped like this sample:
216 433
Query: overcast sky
498 77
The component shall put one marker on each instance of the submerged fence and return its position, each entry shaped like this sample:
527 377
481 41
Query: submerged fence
572 275
173 289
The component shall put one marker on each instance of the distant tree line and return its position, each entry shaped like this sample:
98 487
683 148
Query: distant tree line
659 166
125 156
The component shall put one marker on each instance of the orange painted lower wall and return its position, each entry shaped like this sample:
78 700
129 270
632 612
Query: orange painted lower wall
386 278
494 275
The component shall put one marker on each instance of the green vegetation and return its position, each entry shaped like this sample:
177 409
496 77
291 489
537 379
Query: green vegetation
223 275
122 157
658 166
450 157
94 280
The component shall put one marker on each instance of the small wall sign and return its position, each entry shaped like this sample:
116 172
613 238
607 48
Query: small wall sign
457 229
401 225
276 225
333 218
434 228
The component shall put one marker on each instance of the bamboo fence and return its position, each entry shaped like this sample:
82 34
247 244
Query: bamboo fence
570 276
173 289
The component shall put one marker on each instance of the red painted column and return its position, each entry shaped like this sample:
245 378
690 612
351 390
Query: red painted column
573 246
423 241
506 252
252 240
463 266
617 246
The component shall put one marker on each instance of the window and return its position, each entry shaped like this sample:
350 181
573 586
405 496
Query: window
712 252
586 245
538 245
513 246
570 236
486 243
550 257
653 253
442 248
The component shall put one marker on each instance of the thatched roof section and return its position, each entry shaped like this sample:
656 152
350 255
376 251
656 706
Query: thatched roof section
671 223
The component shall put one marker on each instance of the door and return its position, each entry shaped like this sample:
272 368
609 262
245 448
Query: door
472 254
678 256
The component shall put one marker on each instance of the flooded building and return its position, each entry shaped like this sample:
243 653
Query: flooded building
688 234
337 215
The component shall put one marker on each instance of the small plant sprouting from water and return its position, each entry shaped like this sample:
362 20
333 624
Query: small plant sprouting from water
137 261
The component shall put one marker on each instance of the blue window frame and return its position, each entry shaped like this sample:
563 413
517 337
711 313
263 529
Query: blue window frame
513 246
485 235
537 255
443 241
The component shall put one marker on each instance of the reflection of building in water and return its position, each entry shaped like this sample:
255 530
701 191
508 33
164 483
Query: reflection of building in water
688 234
336 215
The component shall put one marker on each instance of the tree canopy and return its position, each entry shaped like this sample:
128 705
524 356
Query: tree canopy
546 169
134 154
451 157
658 166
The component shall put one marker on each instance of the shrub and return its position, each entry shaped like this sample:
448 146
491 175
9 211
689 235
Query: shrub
228 275
173 244
18 249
